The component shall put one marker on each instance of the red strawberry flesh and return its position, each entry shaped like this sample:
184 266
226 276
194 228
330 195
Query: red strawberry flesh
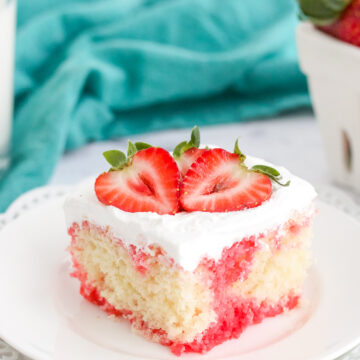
218 182
187 159
149 183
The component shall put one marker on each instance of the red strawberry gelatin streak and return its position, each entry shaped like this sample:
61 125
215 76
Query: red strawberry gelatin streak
233 314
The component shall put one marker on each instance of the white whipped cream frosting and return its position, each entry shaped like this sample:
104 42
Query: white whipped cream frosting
187 237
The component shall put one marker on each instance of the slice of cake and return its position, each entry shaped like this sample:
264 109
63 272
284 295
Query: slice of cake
191 248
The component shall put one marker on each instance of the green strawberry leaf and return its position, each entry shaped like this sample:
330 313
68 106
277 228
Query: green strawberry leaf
116 158
195 137
270 172
194 142
132 149
178 149
322 12
267 170
141 145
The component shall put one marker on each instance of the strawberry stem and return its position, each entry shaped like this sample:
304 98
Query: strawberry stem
194 142
118 160
237 150
270 172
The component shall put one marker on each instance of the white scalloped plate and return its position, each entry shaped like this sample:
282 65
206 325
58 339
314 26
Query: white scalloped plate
43 316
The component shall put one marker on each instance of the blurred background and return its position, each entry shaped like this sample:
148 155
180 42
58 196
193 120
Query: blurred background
89 74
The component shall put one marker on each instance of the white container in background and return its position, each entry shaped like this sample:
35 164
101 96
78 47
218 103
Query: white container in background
333 71
7 41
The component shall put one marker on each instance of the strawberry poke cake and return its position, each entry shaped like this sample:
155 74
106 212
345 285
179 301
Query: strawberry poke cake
191 247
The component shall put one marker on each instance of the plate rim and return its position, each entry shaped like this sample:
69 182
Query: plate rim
61 192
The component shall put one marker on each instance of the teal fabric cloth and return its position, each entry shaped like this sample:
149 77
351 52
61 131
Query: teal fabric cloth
90 70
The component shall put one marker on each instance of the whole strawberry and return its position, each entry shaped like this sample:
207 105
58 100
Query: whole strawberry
339 18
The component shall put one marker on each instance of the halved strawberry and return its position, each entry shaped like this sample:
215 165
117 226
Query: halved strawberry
187 152
147 181
218 181
187 159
